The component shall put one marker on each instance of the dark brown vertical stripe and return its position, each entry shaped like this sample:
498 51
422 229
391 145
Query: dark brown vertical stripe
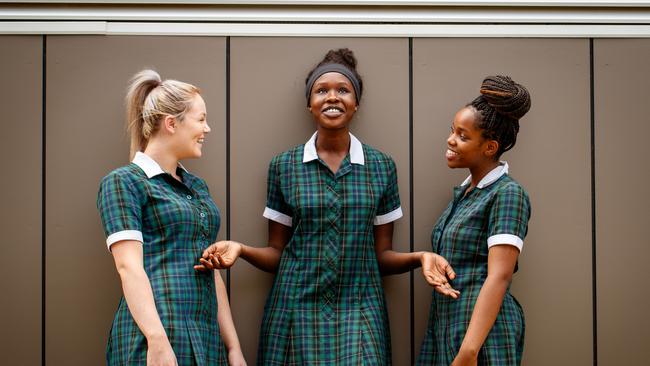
43 246
411 203
228 154
593 201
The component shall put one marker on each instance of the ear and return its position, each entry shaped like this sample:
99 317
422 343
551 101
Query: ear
491 148
169 124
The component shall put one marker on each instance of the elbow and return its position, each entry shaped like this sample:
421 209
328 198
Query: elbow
503 278
127 270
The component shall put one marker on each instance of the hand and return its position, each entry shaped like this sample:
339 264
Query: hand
464 358
236 358
160 353
437 272
220 255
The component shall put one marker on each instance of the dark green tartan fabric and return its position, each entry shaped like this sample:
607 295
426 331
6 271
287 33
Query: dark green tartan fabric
177 221
327 306
460 235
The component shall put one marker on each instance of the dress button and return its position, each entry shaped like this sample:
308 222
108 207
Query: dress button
189 197
202 214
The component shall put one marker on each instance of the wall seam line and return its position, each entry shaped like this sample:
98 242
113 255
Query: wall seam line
593 202
43 177
411 200
228 217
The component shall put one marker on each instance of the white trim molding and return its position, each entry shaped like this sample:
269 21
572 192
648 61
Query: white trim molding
329 30
320 14
535 3
533 18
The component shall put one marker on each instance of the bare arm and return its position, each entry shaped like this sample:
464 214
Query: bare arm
267 259
226 324
223 254
435 269
138 294
501 265
390 261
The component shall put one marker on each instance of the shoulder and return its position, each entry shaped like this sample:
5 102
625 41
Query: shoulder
128 174
507 186
374 156
289 156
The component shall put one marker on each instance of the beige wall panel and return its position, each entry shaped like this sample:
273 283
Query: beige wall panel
86 82
622 171
20 217
551 160
269 116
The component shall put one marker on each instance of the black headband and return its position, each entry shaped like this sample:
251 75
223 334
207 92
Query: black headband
333 67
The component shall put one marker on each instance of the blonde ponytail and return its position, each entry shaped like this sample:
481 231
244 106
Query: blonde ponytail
148 100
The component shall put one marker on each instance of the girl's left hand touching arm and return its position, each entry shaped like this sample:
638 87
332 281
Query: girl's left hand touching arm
228 332
501 265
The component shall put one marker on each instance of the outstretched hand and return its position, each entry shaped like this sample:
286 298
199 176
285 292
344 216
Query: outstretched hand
437 272
220 255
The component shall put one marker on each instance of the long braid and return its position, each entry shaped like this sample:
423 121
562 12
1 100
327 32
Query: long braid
500 106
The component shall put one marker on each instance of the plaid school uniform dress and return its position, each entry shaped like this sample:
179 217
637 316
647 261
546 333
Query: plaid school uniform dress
174 221
495 212
327 306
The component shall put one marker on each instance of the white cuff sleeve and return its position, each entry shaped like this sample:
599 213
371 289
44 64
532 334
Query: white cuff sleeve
389 217
277 216
123 235
508 239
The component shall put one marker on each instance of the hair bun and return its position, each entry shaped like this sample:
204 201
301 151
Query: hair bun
343 56
506 96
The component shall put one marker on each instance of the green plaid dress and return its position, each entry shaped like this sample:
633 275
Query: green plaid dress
175 221
495 212
327 306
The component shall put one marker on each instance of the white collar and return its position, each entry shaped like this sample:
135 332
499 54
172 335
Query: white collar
149 166
490 177
356 150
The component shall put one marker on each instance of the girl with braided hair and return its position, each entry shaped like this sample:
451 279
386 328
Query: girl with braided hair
481 233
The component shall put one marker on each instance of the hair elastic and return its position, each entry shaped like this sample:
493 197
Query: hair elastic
333 67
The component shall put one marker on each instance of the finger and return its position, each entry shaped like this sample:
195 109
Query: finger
215 262
223 263
220 260
450 272
434 280
207 263
207 251
200 267
447 291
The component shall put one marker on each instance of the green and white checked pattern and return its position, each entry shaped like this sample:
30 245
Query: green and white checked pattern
176 221
500 209
327 304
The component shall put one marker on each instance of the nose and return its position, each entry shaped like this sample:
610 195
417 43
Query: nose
332 94
450 140
206 128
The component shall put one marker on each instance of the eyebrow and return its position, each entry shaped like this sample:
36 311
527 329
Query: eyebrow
457 128
340 83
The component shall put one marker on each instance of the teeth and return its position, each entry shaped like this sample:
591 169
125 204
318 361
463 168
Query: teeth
332 110
450 153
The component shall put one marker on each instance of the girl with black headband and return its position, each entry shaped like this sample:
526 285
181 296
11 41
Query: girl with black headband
481 234
331 205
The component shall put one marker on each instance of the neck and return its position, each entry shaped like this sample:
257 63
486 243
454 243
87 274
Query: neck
479 172
333 141
167 160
